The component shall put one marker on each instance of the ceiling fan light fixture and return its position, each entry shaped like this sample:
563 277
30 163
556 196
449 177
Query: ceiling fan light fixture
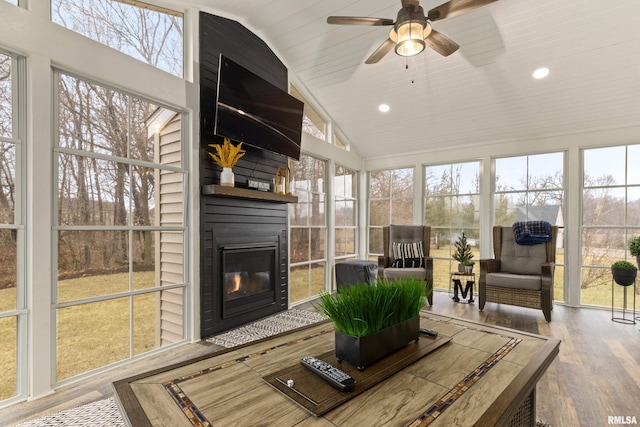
410 38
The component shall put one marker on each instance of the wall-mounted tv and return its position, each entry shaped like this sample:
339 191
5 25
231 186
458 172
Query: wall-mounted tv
253 111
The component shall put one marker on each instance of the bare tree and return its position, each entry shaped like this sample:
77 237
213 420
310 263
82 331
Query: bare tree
599 207
153 37
447 209
7 150
96 119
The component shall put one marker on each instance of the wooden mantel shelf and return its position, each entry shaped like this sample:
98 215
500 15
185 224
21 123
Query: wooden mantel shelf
246 193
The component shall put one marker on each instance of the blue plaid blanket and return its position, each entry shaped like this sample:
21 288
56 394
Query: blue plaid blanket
531 232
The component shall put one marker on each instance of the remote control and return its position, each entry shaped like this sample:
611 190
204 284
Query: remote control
334 376
429 332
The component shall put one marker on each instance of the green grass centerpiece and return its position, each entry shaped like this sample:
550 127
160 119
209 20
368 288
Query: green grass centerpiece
372 321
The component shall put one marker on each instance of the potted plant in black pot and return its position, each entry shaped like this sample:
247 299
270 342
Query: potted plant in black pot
624 273
468 266
373 321
634 248
462 253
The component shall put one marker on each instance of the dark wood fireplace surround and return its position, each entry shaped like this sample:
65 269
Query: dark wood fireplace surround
238 214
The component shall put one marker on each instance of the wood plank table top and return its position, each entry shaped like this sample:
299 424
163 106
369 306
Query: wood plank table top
481 377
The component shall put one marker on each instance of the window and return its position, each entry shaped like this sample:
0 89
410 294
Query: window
532 188
119 226
149 33
452 203
610 217
338 142
390 202
7 124
308 229
346 213
312 123
12 218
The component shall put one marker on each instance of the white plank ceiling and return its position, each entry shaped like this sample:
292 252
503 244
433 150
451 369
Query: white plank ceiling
482 93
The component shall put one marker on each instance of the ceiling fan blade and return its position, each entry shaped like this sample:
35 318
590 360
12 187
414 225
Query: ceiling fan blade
380 52
441 43
357 20
455 8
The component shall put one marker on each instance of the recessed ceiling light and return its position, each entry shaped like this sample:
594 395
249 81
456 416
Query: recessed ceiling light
383 107
541 73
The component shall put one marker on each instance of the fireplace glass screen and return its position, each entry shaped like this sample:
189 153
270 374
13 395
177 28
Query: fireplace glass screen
248 275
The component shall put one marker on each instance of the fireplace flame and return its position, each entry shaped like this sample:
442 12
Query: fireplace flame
236 280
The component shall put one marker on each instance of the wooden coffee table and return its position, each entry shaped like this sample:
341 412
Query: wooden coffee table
484 376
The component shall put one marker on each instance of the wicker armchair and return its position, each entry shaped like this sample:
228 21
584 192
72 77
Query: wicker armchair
519 275
406 234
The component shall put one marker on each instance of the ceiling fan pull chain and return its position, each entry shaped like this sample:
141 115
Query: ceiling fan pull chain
406 67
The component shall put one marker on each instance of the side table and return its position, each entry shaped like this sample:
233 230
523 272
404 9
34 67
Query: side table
456 281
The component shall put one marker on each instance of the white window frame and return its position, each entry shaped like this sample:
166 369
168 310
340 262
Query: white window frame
326 226
563 189
450 227
184 229
390 198
356 203
629 230
18 138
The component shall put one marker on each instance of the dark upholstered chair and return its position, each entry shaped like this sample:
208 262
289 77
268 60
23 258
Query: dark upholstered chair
407 234
519 275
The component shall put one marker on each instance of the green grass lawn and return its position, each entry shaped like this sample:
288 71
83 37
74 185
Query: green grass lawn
90 335
101 329
306 282
7 356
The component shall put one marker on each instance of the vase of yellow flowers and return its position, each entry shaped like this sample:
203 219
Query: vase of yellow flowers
227 178
227 156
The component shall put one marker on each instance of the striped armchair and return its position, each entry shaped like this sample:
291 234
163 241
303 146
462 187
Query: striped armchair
401 244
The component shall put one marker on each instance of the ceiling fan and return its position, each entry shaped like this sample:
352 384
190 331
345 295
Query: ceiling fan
412 29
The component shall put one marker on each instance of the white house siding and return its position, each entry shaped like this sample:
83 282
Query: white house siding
170 244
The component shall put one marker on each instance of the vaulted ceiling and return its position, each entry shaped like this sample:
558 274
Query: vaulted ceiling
482 93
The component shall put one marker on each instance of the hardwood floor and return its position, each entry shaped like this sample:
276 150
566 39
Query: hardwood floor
596 375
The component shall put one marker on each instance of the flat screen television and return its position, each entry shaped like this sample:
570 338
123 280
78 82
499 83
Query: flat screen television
253 111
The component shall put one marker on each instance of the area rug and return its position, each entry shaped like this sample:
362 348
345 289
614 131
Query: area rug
101 413
267 327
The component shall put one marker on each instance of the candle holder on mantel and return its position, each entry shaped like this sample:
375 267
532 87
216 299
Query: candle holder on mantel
282 181
277 188
287 181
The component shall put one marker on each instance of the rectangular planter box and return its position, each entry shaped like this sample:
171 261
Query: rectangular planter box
361 352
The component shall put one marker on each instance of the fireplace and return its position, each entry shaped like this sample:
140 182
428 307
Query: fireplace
237 216
244 262
248 277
